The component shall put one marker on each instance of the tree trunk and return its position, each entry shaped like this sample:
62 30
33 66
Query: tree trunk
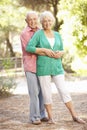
55 11
9 45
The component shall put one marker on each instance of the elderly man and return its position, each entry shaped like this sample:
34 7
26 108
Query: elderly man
37 111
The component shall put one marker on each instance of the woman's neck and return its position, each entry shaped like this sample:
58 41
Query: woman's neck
49 33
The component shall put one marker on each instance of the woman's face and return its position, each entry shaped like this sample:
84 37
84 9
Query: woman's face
47 23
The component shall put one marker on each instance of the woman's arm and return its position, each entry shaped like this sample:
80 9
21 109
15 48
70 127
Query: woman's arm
44 51
33 46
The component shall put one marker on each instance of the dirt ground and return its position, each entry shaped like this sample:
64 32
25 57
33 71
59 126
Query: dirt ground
14 112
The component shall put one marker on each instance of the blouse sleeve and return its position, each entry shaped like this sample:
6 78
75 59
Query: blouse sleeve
33 43
61 45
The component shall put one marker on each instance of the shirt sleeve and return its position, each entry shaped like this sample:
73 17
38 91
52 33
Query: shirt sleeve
33 43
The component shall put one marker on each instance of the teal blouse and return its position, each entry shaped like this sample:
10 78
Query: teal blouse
45 64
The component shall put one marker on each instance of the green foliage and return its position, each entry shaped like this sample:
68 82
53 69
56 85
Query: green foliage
7 85
82 72
11 16
80 29
7 63
42 5
38 5
74 14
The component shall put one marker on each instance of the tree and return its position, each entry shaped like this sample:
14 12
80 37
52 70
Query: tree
74 14
11 15
80 28
41 5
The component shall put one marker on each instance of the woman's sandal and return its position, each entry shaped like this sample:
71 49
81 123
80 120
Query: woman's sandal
79 120
51 121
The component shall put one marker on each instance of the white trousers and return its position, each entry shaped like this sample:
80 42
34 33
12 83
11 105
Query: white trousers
45 82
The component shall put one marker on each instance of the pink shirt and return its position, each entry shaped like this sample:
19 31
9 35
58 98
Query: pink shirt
29 59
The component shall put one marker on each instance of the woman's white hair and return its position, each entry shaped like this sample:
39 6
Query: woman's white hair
46 13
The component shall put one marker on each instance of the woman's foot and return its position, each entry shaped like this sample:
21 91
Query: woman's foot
79 120
51 121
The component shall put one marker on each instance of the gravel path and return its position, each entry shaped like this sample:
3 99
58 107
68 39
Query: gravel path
14 110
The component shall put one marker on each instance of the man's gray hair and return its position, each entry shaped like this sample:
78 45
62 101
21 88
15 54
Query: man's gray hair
31 12
46 13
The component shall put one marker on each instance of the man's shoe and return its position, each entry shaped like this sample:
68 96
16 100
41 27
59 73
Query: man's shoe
44 119
36 122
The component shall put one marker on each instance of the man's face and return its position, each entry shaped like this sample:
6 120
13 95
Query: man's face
32 21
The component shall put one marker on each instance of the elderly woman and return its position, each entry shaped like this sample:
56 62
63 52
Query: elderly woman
50 68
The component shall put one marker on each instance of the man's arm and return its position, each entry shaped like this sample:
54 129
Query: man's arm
23 41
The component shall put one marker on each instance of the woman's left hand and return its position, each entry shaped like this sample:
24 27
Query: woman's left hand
58 54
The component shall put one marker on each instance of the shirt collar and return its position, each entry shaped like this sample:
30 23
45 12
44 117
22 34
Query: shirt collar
30 29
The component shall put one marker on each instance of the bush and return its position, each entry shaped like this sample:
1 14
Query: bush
67 61
7 85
